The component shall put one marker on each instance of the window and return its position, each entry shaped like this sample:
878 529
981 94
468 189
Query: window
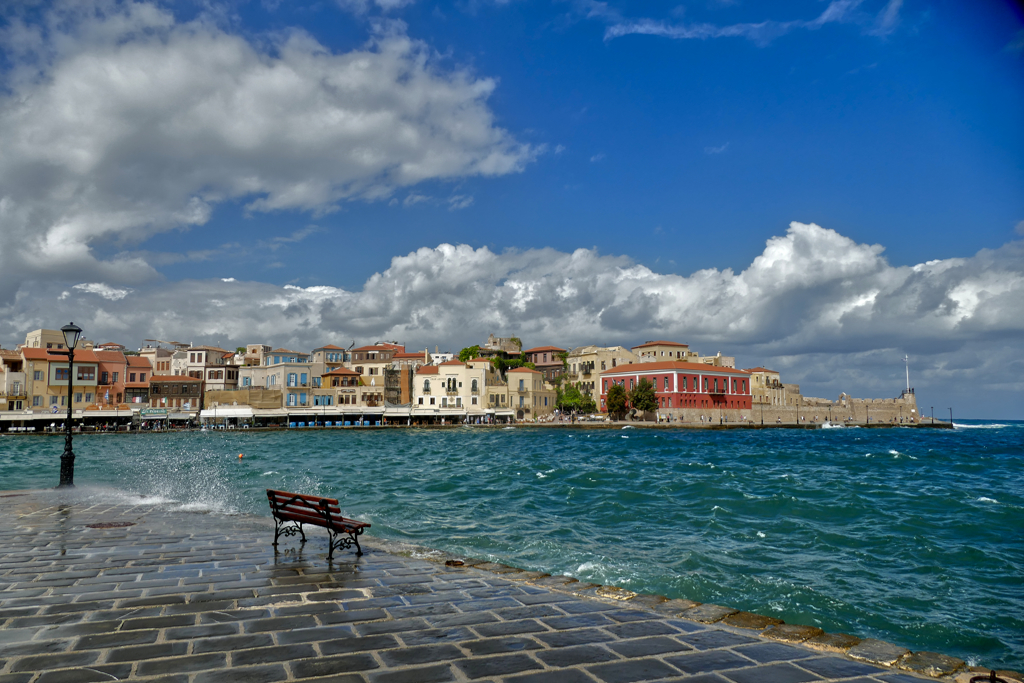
431 400
114 377
245 381
458 401
316 382
292 379
474 400
421 400
474 388
62 374
37 375
734 386
666 384
37 401
444 401
88 397
426 386
131 377
303 379
142 377
302 398
520 385
53 400
49 345
604 386
520 401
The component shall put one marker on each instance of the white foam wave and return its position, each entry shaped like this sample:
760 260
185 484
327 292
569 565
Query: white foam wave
984 499
996 425
760 534
623 437
269 472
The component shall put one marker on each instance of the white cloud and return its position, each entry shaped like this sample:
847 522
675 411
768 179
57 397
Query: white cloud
1019 229
118 122
105 291
596 158
763 32
459 201
716 150
824 309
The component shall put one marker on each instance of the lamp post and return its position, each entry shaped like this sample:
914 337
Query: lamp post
933 414
67 460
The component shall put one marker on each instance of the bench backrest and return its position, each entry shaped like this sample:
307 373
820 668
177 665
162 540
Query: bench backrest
309 509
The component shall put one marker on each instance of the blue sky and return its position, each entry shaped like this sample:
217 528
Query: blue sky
154 149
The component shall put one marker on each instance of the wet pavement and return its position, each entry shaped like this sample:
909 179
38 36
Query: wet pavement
94 591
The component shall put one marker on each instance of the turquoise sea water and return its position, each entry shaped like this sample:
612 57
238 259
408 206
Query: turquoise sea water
912 536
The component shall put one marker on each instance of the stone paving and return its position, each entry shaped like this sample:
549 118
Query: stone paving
182 597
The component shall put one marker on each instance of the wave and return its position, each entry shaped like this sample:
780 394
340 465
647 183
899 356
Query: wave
996 425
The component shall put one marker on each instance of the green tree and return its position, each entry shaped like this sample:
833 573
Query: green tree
644 398
469 353
616 400
240 349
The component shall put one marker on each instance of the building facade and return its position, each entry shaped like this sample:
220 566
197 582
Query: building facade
548 361
681 386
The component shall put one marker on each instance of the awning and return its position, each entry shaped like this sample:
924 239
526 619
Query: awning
235 412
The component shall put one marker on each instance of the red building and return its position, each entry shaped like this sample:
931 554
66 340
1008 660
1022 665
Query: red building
679 384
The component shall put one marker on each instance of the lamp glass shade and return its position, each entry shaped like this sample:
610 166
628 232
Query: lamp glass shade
71 334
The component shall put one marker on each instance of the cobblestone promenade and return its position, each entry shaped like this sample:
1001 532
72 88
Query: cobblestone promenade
183 597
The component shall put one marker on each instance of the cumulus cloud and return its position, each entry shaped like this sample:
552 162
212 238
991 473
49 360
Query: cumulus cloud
762 32
103 290
118 122
814 303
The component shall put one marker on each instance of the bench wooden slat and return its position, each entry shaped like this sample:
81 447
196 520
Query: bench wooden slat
318 520
284 496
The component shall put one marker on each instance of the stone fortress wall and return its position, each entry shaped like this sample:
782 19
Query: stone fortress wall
807 410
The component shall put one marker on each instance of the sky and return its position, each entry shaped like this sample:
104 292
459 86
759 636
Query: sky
820 187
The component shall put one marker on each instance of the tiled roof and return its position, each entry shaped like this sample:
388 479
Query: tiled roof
647 368
661 343
428 370
81 355
332 347
381 347
542 349
760 370
107 356
338 372
138 362
536 372
453 361
287 351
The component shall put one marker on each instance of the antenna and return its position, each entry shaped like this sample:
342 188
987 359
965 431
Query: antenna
906 361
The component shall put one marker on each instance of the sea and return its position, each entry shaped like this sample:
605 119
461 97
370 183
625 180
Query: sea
914 536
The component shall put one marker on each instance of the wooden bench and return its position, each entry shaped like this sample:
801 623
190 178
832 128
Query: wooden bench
292 510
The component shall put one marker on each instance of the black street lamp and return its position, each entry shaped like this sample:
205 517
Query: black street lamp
67 460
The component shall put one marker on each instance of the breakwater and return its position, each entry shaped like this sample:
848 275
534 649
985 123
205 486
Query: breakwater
912 536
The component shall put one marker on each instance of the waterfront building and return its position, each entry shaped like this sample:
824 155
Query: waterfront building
111 377
47 378
682 385
654 351
51 339
501 347
13 387
371 361
452 391
292 372
179 396
766 387
529 395
330 356
586 363
214 365
548 361
136 385
159 359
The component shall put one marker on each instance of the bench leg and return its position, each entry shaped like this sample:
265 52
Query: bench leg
287 528
344 540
